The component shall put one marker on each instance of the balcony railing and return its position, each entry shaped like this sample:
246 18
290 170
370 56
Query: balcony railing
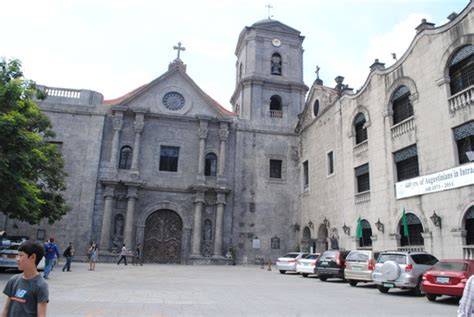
362 197
403 127
462 99
276 114
64 93
361 148
413 248
468 252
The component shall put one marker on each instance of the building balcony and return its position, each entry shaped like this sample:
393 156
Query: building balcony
412 248
403 127
468 252
276 114
362 197
361 148
462 99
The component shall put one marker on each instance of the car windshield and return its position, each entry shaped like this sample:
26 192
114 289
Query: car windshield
426 259
398 258
450 266
291 255
358 257
312 257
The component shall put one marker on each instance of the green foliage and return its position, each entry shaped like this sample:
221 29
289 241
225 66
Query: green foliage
32 177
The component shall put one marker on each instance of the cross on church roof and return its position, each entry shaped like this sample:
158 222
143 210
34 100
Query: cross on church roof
179 48
317 71
269 6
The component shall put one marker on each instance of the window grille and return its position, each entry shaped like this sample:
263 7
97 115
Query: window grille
363 179
125 161
275 168
406 161
211 165
401 106
169 158
415 229
359 127
461 69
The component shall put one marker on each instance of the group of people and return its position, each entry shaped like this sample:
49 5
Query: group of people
51 256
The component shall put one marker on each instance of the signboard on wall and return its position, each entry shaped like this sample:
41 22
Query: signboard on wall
459 176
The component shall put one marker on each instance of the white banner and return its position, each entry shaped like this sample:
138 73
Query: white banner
460 176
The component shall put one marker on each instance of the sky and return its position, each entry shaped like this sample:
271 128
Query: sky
115 46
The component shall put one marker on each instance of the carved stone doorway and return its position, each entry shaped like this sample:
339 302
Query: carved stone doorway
163 235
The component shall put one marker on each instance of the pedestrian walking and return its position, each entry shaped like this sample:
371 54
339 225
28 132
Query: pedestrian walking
27 293
68 254
466 305
50 252
93 253
123 255
137 256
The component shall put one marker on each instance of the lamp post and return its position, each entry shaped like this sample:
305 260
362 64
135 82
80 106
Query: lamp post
379 225
311 224
436 219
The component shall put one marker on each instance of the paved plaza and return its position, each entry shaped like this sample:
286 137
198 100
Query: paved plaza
183 290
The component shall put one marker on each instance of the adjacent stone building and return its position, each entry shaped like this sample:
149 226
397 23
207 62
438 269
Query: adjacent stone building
290 168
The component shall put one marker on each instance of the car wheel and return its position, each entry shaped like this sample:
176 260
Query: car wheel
304 274
382 289
352 283
323 278
282 271
417 290
431 297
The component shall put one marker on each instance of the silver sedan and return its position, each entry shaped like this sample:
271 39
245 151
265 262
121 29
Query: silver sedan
288 261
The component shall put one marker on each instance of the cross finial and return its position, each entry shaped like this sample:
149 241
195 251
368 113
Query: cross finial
269 6
317 71
179 48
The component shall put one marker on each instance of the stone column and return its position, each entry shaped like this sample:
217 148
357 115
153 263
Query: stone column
223 135
198 205
219 224
138 127
106 220
202 132
117 124
130 219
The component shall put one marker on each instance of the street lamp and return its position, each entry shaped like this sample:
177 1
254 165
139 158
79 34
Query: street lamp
379 225
436 219
311 224
346 229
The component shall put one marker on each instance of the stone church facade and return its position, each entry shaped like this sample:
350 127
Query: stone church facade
290 168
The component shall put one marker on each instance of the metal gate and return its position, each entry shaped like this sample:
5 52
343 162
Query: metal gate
163 234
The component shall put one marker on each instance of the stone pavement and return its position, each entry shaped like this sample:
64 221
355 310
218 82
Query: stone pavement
183 290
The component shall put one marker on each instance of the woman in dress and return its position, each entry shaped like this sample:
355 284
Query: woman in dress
93 253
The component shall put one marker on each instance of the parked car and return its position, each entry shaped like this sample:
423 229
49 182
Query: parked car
397 269
307 265
331 264
8 258
288 262
447 277
360 265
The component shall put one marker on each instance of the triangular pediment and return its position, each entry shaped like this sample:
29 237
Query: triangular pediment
274 26
174 93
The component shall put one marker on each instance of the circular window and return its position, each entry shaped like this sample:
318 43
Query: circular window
173 101
316 108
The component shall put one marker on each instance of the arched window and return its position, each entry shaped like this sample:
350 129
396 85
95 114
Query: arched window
365 240
359 127
461 69
125 157
275 103
316 108
211 165
469 226
207 230
415 229
276 64
401 106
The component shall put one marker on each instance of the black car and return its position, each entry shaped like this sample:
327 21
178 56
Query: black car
331 264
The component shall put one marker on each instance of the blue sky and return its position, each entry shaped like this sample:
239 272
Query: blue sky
114 46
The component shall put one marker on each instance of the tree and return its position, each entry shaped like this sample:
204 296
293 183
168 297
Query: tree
32 177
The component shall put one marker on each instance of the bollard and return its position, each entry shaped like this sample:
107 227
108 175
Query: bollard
262 262
269 265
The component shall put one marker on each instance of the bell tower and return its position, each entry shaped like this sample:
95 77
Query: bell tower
269 91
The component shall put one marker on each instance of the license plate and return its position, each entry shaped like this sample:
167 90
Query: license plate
442 280
324 263
388 285
306 264
356 268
